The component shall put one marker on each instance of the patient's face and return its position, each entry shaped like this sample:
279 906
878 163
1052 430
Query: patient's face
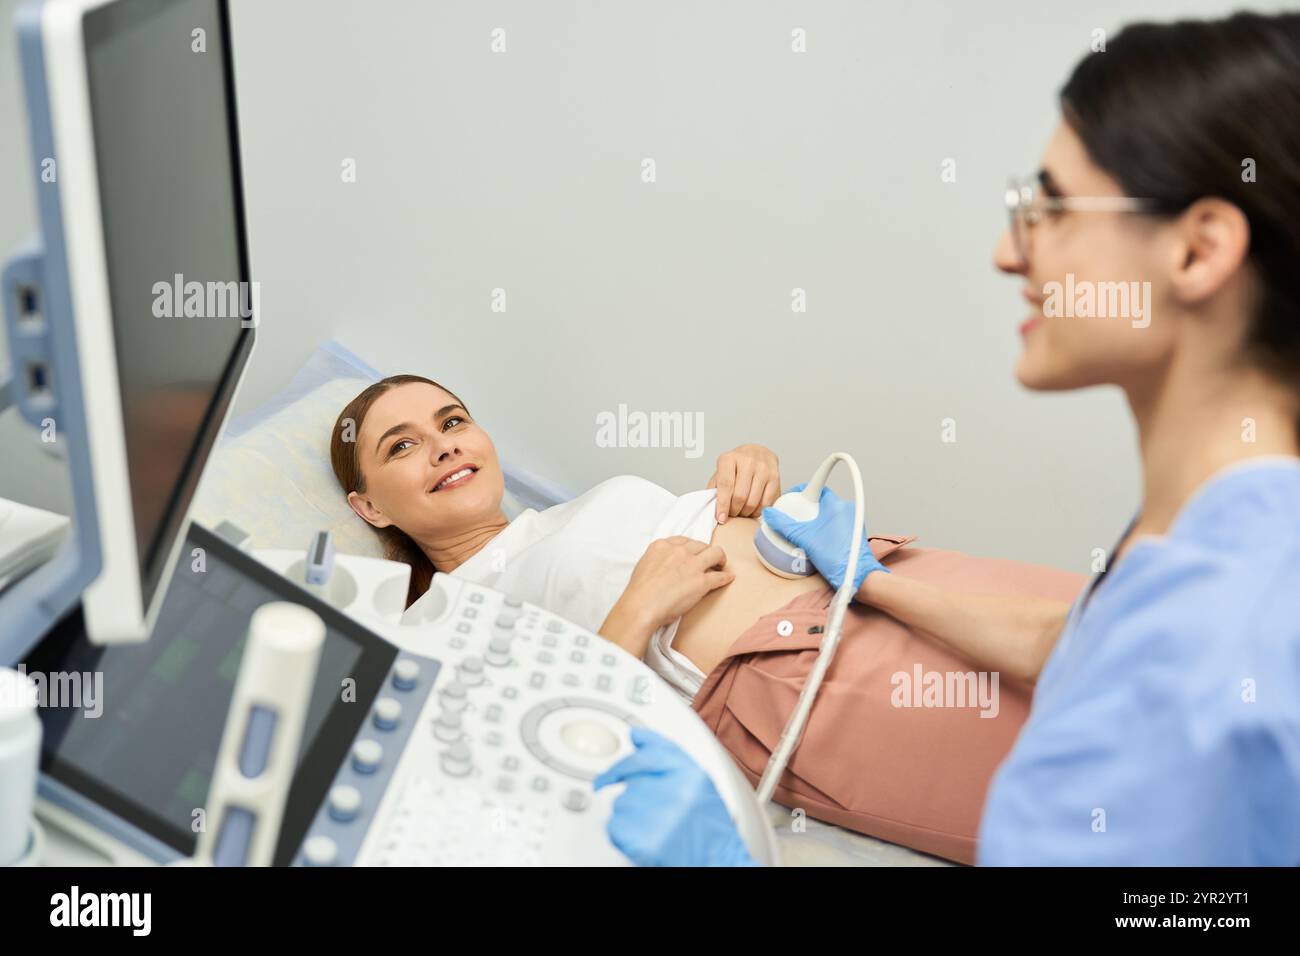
1074 253
413 437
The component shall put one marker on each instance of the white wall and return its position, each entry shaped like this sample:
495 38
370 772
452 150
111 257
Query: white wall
775 170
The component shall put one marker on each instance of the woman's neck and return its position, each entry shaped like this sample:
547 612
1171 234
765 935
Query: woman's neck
1195 420
451 551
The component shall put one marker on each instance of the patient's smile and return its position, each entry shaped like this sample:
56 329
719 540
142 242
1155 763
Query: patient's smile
461 476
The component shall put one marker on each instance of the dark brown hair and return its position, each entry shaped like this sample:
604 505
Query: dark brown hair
1174 111
398 545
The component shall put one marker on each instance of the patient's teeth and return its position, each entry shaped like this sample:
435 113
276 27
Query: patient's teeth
453 477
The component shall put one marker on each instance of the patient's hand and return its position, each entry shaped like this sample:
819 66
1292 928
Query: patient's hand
672 577
748 479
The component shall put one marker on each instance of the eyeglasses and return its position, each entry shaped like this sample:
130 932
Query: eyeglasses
1027 206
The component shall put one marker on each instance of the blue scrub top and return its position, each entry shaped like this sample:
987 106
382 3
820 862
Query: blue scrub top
1165 726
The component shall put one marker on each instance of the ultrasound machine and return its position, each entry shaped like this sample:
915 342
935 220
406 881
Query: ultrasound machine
471 737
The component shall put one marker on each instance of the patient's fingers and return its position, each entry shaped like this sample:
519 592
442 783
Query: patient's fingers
718 579
726 476
711 556
744 482
755 498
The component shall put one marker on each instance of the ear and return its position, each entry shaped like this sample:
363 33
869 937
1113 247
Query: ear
367 511
1214 240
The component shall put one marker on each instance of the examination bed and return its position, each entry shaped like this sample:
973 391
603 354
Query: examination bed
270 476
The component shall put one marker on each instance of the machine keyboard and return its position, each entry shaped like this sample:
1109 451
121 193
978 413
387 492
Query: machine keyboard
436 823
483 747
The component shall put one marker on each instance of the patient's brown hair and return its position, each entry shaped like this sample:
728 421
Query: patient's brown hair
398 546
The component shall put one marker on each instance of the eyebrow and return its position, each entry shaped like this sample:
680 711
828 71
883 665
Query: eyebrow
439 414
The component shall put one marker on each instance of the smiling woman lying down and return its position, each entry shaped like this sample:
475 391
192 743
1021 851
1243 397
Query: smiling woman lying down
907 729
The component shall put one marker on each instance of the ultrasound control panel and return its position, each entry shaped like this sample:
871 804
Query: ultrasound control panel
468 736
482 747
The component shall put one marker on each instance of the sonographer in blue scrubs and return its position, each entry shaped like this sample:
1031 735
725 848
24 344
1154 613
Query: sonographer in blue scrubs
1165 721
1165 726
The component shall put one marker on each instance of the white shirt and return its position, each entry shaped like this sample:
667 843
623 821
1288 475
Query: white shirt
575 559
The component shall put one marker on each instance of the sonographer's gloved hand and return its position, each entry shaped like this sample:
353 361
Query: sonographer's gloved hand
670 814
826 538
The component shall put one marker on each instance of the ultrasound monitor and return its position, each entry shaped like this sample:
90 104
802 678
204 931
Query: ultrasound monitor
142 294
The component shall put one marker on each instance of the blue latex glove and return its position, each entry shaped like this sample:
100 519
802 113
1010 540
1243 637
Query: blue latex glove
826 538
670 814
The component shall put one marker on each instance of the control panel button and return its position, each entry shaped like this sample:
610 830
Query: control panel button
456 760
498 652
405 674
470 671
320 851
345 803
387 713
453 696
640 690
447 727
512 601
366 756
576 800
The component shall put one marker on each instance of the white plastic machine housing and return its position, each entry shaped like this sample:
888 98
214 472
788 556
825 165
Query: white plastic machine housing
114 603
488 758
118 605
369 590
479 749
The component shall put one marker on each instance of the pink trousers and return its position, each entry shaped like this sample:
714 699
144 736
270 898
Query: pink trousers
905 735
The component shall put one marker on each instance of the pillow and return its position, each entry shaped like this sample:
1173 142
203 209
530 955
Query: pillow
330 362
270 473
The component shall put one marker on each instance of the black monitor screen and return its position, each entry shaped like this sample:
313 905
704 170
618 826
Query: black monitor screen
162 108
136 727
